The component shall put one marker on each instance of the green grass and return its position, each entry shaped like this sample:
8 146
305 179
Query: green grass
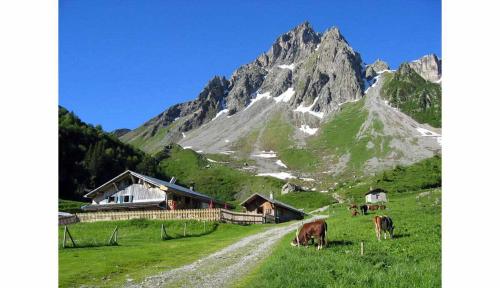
276 134
140 252
339 134
71 206
306 200
411 259
339 137
300 159
246 143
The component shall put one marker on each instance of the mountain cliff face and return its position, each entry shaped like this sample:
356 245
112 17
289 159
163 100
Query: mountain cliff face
311 103
428 67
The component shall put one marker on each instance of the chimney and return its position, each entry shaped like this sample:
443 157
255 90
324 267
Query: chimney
172 180
191 188
271 196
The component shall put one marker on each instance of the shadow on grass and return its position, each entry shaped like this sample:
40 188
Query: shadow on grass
180 236
340 243
88 245
396 236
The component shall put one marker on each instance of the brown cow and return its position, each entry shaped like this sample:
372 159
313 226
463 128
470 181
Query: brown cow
381 207
383 224
372 207
354 212
317 230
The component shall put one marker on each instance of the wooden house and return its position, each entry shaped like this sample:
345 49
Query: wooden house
280 211
131 191
376 195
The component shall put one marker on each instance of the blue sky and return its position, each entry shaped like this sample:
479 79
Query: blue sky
123 62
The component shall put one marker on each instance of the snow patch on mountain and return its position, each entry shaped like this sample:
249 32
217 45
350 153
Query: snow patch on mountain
308 109
266 95
279 175
264 154
280 163
308 130
220 113
289 67
285 96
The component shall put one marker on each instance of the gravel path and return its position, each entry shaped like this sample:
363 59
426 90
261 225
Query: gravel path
221 268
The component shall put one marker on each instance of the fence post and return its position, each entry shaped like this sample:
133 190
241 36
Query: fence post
185 223
113 237
362 248
64 237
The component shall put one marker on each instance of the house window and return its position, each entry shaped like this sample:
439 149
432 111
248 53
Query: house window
126 198
111 199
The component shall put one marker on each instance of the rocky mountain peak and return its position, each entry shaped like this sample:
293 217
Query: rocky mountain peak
372 69
429 67
215 88
293 45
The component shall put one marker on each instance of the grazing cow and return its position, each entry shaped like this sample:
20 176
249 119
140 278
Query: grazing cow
354 212
383 224
364 209
317 229
372 207
381 207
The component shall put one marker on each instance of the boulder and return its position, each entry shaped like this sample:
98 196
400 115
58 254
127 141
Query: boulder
339 198
289 187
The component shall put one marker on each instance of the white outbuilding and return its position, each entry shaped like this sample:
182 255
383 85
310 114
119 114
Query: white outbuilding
376 195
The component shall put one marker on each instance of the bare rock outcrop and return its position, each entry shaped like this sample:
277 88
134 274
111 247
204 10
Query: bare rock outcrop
429 67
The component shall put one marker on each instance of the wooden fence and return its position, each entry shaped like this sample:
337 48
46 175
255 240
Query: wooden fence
66 220
241 218
217 214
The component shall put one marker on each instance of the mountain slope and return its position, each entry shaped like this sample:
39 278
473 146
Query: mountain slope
309 71
415 96
307 111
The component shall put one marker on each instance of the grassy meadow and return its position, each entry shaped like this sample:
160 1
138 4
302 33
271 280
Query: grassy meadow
70 206
411 259
140 251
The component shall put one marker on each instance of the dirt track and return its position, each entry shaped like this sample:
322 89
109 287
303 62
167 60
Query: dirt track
222 267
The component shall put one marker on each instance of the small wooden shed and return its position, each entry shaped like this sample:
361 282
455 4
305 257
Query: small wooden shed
279 211
376 195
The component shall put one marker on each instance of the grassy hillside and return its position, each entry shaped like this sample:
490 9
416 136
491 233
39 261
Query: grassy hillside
306 200
411 259
338 138
421 175
414 95
140 252
215 179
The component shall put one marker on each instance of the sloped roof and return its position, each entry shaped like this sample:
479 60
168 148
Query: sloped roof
376 190
275 202
158 183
